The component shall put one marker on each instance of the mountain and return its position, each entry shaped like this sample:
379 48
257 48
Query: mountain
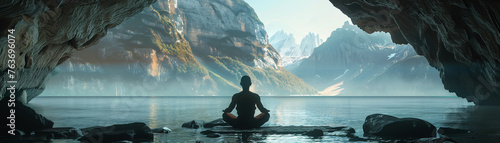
288 48
180 48
352 62
285 44
309 42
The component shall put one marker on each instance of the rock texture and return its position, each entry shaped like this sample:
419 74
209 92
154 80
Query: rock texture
227 28
393 127
48 32
136 132
459 38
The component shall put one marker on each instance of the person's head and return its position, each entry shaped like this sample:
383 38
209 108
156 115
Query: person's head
245 81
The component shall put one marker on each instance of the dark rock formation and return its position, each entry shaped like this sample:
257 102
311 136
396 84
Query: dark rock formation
213 135
22 118
393 127
138 132
435 140
48 32
459 38
216 122
60 133
163 130
210 134
195 124
314 133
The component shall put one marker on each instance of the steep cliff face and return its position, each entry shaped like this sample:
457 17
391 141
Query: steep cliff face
170 50
227 28
48 32
146 55
459 38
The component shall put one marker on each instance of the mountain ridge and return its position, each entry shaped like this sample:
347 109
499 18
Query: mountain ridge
166 47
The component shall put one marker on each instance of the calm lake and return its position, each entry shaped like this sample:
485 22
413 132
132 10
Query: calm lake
171 112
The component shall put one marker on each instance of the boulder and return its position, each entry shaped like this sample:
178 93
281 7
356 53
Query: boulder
206 132
314 133
392 127
195 124
137 132
210 134
435 140
217 122
213 135
163 130
23 117
60 133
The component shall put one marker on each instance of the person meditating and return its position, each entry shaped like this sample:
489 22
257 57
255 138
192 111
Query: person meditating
245 102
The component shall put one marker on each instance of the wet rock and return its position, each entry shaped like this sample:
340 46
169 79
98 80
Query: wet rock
20 117
131 132
206 132
217 122
60 133
213 135
343 131
163 130
389 126
451 131
195 124
348 130
210 134
314 133
435 140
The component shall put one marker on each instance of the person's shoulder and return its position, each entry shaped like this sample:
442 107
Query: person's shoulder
254 94
237 94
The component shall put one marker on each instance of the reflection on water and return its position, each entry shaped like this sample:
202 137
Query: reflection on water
153 122
483 121
171 112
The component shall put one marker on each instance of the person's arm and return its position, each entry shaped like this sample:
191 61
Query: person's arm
231 105
260 106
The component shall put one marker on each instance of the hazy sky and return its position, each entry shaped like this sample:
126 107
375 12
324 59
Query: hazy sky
299 16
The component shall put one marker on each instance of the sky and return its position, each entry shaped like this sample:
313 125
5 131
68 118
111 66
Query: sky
299 16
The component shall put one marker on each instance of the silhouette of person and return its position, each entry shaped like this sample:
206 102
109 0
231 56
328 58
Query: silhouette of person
245 102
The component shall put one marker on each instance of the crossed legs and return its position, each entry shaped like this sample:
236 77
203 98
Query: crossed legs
258 121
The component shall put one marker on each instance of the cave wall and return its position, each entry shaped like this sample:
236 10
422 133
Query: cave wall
459 38
47 32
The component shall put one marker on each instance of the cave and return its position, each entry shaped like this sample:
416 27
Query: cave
458 38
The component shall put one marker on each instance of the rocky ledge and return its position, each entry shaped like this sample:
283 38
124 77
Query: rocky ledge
459 38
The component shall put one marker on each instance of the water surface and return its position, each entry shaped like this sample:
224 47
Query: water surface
171 112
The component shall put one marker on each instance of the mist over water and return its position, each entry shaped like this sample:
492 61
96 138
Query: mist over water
171 112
